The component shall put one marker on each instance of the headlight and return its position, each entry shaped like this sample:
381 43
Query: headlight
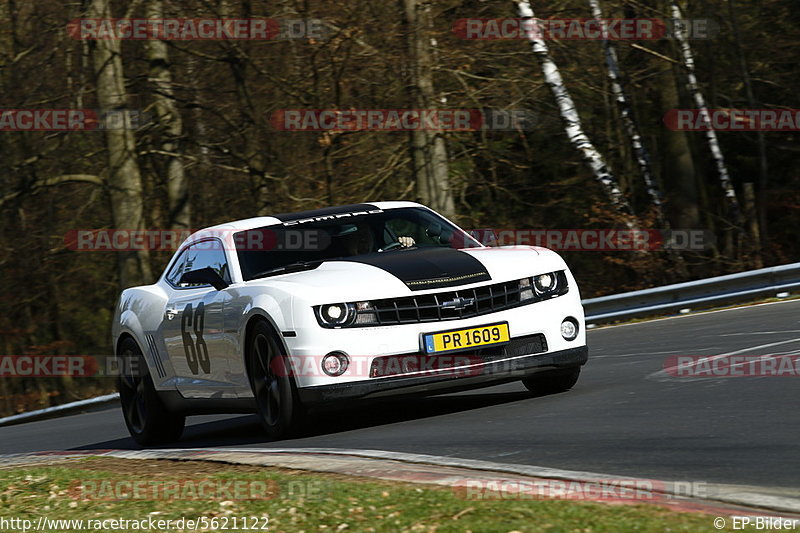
543 286
544 283
336 314
346 314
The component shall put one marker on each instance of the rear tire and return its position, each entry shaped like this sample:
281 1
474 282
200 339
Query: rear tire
552 382
279 407
149 421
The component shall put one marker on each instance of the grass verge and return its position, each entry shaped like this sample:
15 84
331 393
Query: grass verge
86 489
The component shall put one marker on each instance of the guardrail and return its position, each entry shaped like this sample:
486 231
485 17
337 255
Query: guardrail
731 288
47 412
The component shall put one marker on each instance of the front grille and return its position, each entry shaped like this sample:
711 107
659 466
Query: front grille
429 307
392 365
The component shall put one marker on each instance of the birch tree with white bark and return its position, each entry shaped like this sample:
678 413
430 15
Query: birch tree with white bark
687 59
628 117
569 113
633 132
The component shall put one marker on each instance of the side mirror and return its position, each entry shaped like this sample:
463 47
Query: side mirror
204 276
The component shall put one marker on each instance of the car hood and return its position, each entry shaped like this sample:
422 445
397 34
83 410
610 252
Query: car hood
407 272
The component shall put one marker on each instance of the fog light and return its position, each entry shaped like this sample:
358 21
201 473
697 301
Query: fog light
335 363
569 328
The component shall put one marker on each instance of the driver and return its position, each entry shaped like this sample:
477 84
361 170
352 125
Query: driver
358 241
406 242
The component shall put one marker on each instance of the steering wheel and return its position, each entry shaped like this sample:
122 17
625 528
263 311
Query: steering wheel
391 246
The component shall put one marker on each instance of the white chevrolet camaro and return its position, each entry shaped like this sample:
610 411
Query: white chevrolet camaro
277 314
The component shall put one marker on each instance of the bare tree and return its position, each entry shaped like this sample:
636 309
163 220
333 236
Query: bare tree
634 135
677 165
569 114
687 58
428 148
628 117
763 165
171 124
124 177
253 152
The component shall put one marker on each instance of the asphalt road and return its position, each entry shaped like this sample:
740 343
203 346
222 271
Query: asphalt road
625 416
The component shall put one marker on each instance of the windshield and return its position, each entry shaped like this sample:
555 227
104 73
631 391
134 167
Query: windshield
305 244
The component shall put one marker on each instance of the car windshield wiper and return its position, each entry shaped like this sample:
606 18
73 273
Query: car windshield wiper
291 267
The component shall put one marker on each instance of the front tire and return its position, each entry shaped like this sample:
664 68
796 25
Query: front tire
149 421
279 406
552 382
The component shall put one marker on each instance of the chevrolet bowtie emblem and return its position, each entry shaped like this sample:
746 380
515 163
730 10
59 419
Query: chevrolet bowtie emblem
458 304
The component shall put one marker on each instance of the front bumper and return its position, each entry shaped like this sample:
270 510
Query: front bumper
491 373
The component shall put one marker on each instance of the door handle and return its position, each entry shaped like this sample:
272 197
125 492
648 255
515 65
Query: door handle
170 313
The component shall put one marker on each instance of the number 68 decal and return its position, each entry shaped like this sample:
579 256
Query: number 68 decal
195 349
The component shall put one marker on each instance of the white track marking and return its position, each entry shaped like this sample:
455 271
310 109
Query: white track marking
665 374
639 354
745 333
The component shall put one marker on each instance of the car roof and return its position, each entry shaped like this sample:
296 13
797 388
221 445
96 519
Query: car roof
260 222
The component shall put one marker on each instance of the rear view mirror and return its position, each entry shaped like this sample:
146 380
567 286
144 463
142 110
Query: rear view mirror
204 276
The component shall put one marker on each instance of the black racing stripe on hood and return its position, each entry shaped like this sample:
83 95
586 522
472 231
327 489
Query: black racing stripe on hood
427 268
286 217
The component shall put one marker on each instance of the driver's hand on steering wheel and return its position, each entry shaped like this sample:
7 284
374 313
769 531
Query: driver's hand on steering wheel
406 242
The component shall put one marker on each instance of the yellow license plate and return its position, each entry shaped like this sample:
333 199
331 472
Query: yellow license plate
461 339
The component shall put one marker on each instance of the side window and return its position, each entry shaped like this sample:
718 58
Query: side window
207 254
177 269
